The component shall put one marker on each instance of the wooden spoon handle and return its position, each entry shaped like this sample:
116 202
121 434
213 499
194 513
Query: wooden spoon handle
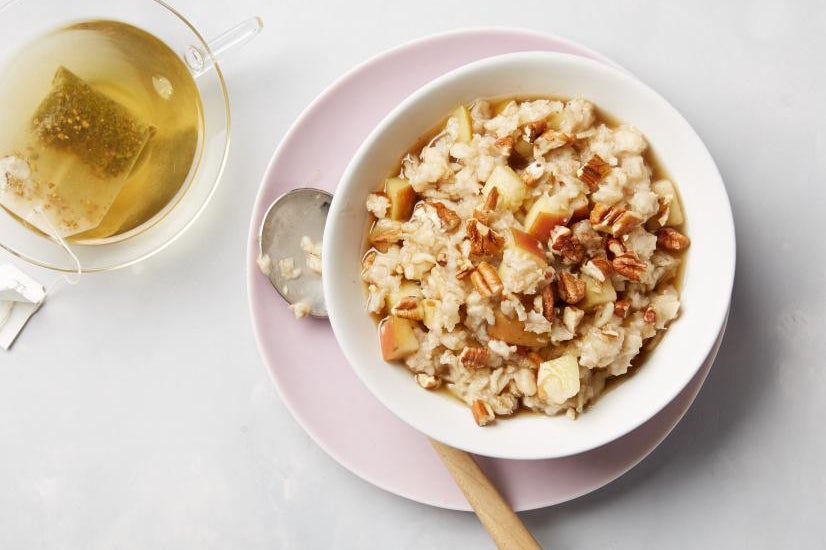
500 521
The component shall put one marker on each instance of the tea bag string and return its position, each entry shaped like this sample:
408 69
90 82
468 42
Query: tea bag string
72 278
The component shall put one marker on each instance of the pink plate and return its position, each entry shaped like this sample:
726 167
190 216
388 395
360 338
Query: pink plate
313 378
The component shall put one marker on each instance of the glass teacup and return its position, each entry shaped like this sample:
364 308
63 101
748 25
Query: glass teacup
24 21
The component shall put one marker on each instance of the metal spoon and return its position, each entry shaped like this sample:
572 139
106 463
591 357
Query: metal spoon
304 212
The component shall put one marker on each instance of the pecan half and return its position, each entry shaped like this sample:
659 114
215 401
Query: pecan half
621 308
571 288
449 219
671 239
568 246
385 232
484 241
534 130
474 357
629 266
548 300
486 280
482 413
505 145
614 219
650 316
409 307
593 172
428 381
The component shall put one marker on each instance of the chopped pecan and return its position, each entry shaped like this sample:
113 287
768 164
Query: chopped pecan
650 316
621 307
505 145
571 288
482 413
534 130
629 266
491 200
603 265
474 357
671 239
428 381
464 270
548 300
593 172
663 211
614 219
568 246
448 218
409 307
368 260
486 280
484 241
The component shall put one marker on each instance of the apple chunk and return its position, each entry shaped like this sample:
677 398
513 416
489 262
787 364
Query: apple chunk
512 190
597 293
397 338
558 379
512 331
528 243
666 191
405 290
402 198
465 124
545 214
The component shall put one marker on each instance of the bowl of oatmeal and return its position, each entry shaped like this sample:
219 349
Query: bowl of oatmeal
529 257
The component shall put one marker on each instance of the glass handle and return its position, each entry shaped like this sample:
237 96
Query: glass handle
200 59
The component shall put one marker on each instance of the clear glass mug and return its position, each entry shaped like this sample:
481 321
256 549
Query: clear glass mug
24 20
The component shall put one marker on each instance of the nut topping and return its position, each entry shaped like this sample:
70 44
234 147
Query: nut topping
505 145
449 219
615 247
671 239
482 413
548 300
568 246
614 219
593 172
571 288
492 199
650 316
484 241
629 266
486 280
428 381
385 232
409 307
621 307
534 130
474 357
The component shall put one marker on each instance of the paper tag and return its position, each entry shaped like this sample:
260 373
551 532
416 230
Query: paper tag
20 298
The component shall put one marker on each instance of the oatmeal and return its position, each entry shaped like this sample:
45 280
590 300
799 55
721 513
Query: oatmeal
524 256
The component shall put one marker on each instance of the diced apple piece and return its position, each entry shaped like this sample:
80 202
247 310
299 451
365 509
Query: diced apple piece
665 190
581 208
500 106
402 198
431 313
554 120
523 149
545 214
397 338
558 379
528 243
465 124
406 289
597 293
513 332
512 190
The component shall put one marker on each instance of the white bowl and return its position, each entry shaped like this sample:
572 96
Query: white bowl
707 284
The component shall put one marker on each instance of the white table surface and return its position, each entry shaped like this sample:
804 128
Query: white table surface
135 412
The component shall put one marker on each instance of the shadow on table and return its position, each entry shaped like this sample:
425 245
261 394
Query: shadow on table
735 386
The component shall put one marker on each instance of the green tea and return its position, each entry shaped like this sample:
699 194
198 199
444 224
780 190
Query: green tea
102 123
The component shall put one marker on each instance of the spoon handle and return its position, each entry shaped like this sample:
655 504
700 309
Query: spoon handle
497 517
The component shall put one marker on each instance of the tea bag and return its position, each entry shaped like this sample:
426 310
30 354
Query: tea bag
20 298
82 148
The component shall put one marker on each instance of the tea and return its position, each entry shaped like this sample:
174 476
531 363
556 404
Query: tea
101 125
